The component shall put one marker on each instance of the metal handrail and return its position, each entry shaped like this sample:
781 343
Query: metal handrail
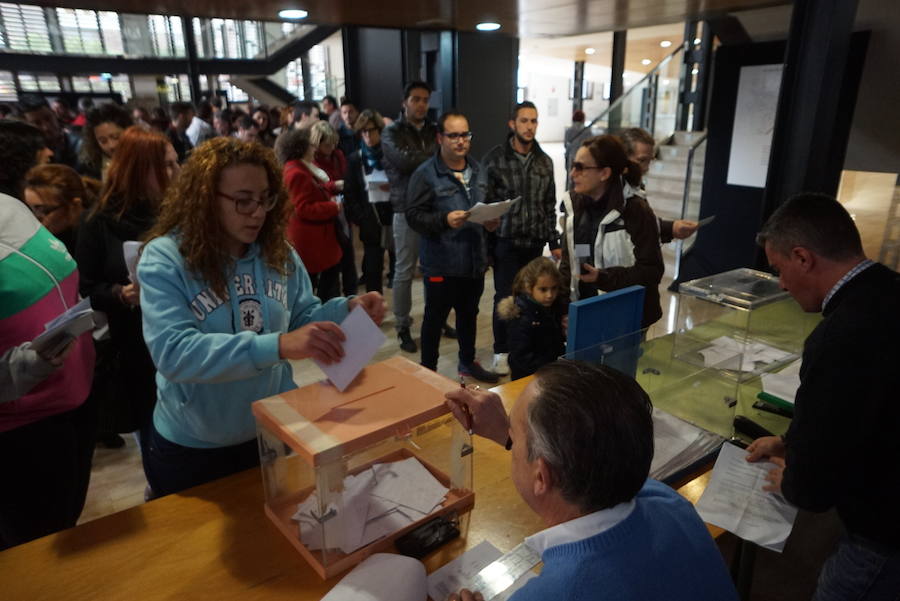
685 199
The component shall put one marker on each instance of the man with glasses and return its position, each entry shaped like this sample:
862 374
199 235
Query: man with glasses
408 142
453 254
519 168
640 147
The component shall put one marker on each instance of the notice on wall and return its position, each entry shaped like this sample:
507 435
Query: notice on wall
754 122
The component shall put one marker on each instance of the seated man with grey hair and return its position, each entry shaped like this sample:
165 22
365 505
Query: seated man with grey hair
581 438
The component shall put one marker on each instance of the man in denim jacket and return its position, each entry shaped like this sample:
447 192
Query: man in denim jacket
453 250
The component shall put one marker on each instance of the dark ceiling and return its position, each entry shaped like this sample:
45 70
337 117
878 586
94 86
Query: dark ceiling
525 18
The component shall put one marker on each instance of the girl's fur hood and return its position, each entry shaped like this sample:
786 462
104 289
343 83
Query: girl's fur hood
507 309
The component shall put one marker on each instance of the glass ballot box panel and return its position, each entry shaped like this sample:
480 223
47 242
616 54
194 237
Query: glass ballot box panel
347 473
740 323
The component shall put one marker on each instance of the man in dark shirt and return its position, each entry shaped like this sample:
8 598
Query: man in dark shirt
181 114
841 449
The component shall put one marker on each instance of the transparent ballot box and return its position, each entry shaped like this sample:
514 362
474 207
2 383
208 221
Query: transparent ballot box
347 473
739 322
693 409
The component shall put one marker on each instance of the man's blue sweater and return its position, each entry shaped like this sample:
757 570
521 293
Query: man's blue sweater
661 551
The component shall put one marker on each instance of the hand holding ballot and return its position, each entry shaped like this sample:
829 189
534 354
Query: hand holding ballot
320 340
372 303
488 416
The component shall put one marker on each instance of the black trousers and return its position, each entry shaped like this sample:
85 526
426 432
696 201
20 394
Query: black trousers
373 267
45 468
508 260
442 294
172 468
327 284
349 277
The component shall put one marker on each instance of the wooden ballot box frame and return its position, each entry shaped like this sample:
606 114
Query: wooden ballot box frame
330 434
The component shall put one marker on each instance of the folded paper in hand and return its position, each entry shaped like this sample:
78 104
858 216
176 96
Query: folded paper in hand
362 342
485 212
67 326
131 250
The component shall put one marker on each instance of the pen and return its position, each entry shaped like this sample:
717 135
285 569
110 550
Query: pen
462 384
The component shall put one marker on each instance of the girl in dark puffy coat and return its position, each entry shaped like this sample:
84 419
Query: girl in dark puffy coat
535 313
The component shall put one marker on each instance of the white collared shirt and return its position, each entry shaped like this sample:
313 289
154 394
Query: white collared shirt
580 528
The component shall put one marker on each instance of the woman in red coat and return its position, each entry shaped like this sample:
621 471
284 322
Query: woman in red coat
333 162
311 228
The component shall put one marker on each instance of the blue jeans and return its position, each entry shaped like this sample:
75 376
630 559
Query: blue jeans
858 572
406 247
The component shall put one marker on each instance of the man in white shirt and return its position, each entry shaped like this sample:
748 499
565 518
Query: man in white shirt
200 130
581 438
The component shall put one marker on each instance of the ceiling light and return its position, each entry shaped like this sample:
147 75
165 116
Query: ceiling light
646 61
589 51
665 44
292 14
697 41
488 26
695 71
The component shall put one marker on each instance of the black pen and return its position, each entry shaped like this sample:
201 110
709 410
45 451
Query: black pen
462 384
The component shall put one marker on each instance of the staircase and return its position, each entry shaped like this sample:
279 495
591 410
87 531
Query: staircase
665 180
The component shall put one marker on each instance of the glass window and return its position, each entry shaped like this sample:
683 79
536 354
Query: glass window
111 31
80 31
294 78
318 70
25 28
7 87
122 84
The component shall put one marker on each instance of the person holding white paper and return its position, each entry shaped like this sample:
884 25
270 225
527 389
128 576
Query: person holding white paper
581 438
608 213
226 302
367 200
139 173
841 448
47 424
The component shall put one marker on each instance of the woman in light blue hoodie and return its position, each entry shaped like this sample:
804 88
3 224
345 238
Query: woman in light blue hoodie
226 302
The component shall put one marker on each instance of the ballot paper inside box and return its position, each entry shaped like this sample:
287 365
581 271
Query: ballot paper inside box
739 322
347 473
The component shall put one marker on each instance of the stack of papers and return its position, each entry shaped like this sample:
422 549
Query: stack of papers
727 353
678 444
65 328
374 503
462 572
735 500
784 384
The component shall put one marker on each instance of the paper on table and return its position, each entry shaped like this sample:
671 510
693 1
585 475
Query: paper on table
131 249
485 212
734 500
65 327
784 384
363 340
678 444
382 577
461 571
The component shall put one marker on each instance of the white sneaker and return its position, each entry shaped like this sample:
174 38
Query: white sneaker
500 366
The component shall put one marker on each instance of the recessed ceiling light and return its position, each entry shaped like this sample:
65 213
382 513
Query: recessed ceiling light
292 14
646 61
665 44
589 51
697 41
695 71
488 26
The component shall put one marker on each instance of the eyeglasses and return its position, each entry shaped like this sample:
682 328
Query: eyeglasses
246 205
578 167
41 211
456 135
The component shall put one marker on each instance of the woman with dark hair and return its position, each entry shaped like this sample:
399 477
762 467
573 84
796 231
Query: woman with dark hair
226 303
312 225
608 216
100 137
263 117
139 173
58 196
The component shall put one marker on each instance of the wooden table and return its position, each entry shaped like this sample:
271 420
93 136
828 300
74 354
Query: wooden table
214 542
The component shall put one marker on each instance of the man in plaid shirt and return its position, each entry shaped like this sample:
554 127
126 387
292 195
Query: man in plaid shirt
519 168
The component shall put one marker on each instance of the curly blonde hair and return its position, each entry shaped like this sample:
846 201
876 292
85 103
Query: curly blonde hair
192 200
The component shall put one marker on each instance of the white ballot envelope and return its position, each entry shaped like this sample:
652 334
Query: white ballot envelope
486 212
374 183
131 249
363 341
